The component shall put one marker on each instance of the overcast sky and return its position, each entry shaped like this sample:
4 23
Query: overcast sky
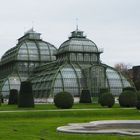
113 25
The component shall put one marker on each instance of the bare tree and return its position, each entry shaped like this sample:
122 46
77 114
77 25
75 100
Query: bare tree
124 69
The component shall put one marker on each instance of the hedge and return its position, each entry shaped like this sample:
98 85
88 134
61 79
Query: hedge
26 95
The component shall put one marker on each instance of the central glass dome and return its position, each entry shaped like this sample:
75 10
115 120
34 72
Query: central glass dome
78 43
79 49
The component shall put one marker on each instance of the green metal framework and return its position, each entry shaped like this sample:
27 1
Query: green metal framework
18 62
75 66
78 66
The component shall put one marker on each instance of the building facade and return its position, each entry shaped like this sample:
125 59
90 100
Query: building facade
76 65
135 75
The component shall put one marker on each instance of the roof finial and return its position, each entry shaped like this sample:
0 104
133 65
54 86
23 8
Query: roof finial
76 24
32 26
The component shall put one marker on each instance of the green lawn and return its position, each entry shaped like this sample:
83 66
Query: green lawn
41 125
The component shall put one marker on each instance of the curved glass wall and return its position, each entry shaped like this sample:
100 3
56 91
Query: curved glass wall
30 52
116 81
57 78
72 77
102 76
11 82
68 79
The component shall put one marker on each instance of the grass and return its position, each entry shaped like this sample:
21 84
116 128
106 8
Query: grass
5 107
41 125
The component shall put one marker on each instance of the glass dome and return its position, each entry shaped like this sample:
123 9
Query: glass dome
30 47
78 43
79 49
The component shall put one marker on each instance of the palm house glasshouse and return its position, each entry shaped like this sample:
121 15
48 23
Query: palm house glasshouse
76 65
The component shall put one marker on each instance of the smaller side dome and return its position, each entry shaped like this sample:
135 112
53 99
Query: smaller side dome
32 50
30 47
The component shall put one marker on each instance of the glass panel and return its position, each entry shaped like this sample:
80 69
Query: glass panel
23 54
70 81
73 57
87 57
14 83
5 88
31 45
45 57
93 57
58 87
115 82
79 57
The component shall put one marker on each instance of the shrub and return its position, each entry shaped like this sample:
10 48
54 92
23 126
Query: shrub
138 105
138 95
13 97
1 98
129 89
85 97
102 90
127 99
106 99
63 100
26 95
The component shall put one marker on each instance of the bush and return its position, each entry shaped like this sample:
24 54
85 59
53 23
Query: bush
138 95
102 90
138 105
26 95
13 97
127 99
129 89
1 98
85 97
106 99
63 100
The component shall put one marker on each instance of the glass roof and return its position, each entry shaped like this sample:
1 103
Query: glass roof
80 69
30 48
54 77
78 43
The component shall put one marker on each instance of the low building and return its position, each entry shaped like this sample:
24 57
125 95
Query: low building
135 72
